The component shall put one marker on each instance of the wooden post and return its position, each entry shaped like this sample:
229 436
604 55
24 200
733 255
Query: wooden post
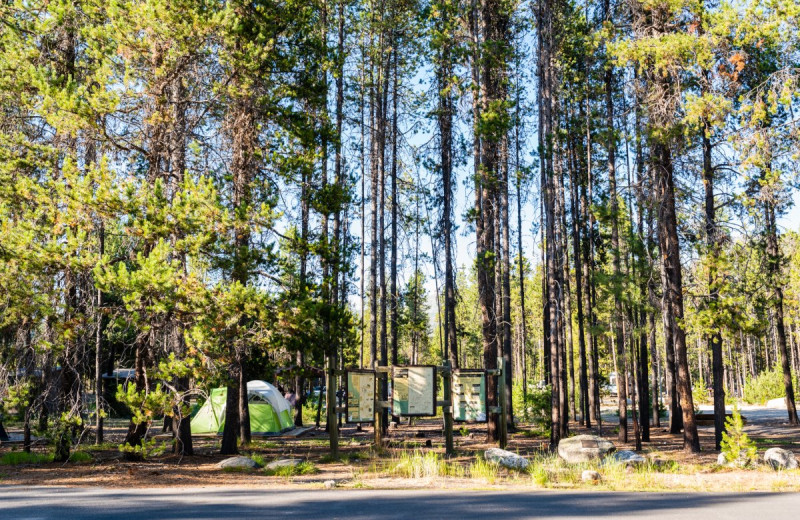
333 427
501 362
447 373
378 410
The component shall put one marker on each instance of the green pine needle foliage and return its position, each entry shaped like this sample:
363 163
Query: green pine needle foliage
737 447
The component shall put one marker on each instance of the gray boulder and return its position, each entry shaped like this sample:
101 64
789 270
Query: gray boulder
779 458
284 463
507 459
779 403
627 457
583 448
589 475
238 463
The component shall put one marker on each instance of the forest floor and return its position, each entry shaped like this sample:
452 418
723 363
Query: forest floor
404 464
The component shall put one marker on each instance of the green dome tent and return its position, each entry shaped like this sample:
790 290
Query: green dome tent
270 413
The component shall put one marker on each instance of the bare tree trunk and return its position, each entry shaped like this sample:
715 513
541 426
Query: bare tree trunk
98 351
619 339
445 120
393 273
567 290
714 338
506 281
137 431
523 316
773 257
384 351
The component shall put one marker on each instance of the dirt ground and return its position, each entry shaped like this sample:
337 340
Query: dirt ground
366 468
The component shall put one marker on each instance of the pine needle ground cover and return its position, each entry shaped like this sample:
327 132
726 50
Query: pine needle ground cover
407 463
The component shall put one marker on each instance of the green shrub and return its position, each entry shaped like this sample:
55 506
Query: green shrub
148 448
534 409
768 385
700 393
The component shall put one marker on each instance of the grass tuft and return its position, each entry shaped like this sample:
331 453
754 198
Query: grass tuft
484 470
258 459
353 456
236 469
15 458
304 468
80 456
263 445
418 464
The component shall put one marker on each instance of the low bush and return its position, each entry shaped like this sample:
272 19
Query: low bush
533 407
768 385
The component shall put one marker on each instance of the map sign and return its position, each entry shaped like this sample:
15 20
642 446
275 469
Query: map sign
469 395
360 396
414 390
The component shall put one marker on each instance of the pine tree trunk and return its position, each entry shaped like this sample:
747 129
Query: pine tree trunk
506 282
673 289
773 262
445 121
393 273
714 338
619 339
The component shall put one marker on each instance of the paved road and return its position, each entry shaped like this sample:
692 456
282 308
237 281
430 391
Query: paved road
206 503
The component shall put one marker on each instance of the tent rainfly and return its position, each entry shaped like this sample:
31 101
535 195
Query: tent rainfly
270 412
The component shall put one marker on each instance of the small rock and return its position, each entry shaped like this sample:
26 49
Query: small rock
779 458
284 463
507 459
721 460
589 475
471 436
329 484
583 448
238 462
626 457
